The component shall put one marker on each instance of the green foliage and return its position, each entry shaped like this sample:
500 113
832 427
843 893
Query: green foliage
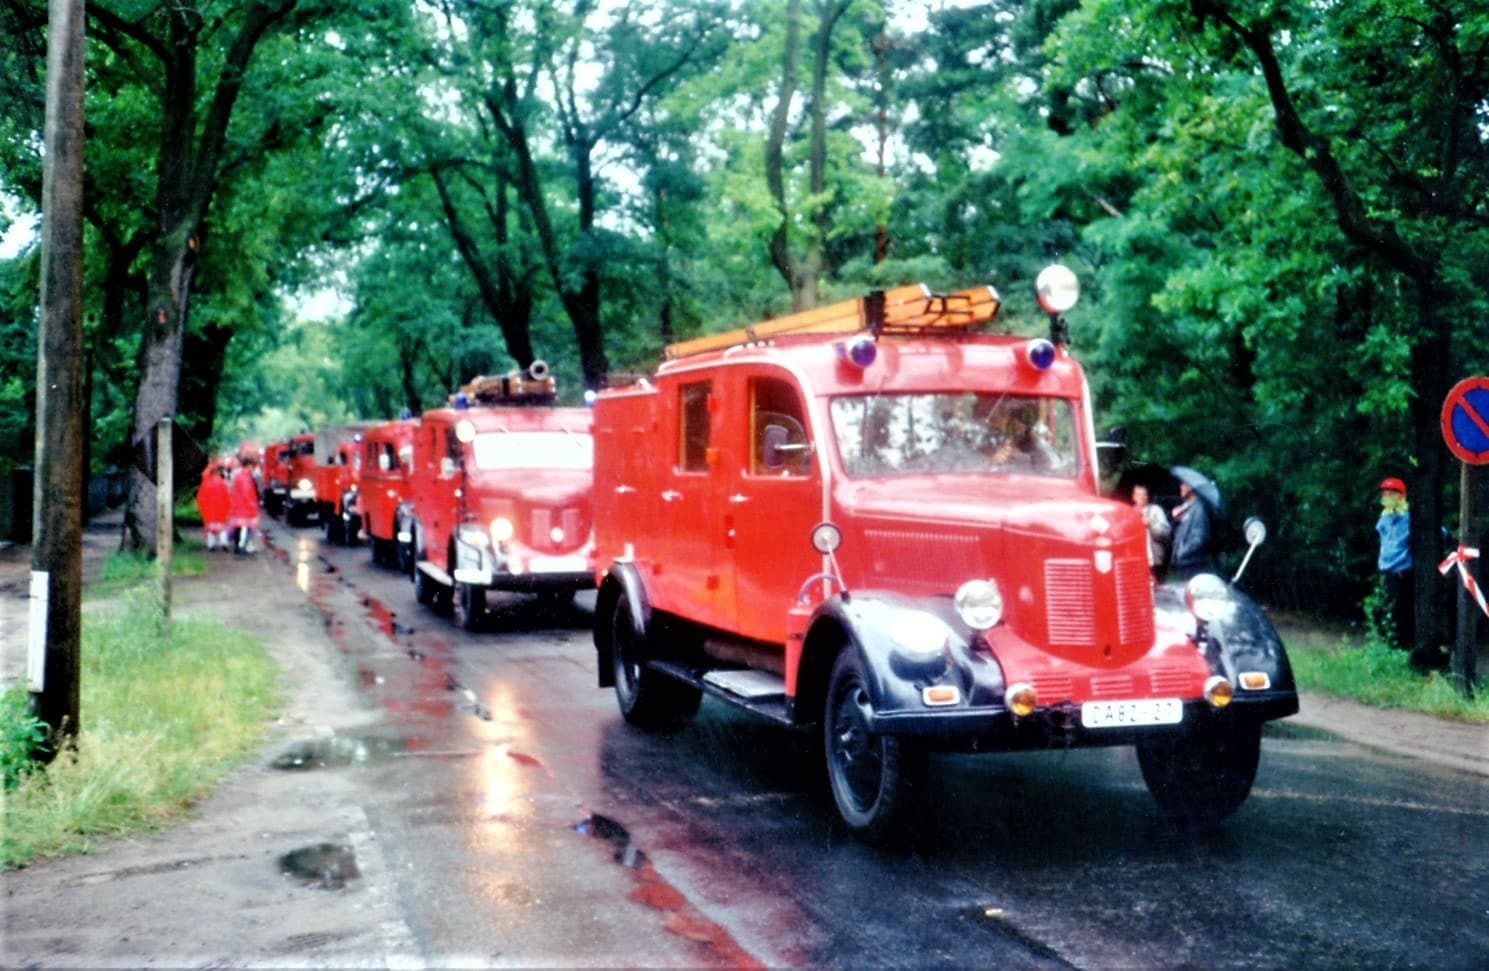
22 736
1374 674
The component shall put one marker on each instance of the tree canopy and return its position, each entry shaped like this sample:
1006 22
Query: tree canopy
1278 211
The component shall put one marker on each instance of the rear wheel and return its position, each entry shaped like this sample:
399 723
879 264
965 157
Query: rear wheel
1202 779
874 778
646 698
335 529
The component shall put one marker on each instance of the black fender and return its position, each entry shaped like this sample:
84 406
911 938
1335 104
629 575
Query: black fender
1243 641
874 623
622 577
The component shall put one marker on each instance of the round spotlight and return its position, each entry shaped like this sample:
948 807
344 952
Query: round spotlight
465 431
501 529
1208 598
1057 289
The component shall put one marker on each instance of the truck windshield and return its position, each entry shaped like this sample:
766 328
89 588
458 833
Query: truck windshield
954 432
494 451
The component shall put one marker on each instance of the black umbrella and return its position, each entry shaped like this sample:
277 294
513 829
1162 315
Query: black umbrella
1203 486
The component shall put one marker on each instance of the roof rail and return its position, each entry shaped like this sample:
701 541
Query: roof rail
911 309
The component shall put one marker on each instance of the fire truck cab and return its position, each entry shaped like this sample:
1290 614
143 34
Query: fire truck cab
387 456
500 497
873 519
336 482
276 476
299 502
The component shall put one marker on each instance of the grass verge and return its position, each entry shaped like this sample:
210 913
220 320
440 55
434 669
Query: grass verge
1371 673
164 717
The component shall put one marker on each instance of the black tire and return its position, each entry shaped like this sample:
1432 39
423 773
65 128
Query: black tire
405 557
470 606
1202 779
335 529
431 593
646 697
875 779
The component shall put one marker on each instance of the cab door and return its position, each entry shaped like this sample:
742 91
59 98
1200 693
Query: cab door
774 499
686 566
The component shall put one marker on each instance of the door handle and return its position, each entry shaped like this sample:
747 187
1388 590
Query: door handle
671 495
739 499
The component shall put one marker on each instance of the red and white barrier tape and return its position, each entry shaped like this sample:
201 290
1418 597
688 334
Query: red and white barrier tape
1460 558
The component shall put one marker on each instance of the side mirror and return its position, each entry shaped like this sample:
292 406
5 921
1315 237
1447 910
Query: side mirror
1255 532
776 447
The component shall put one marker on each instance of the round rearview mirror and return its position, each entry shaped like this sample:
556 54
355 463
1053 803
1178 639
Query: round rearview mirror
826 538
1255 531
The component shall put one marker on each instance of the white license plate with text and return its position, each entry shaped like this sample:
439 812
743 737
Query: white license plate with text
1121 714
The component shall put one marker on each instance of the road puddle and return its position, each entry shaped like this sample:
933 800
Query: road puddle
337 751
654 891
324 866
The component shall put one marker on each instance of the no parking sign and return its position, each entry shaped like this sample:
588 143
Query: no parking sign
1465 420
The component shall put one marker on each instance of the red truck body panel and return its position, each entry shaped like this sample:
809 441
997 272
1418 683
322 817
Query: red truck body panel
387 457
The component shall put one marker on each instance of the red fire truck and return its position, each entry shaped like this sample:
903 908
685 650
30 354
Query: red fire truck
500 496
387 455
275 476
299 497
874 519
339 451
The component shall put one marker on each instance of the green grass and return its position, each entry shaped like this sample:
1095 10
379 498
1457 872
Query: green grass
163 718
130 570
1369 672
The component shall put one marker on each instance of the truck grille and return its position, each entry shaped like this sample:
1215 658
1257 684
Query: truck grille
543 521
1073 590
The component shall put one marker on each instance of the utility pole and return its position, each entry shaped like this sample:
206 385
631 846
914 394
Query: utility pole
57 519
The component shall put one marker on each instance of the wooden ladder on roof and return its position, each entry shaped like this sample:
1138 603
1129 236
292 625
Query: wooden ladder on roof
910 309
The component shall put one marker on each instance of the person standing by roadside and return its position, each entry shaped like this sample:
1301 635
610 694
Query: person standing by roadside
1158 530
212 503
1395 565
243 507
1191 551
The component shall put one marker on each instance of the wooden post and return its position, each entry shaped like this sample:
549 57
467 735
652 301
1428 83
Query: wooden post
1466 648
165 520
54 656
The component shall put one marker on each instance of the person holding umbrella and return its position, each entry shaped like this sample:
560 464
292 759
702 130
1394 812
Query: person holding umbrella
1200 497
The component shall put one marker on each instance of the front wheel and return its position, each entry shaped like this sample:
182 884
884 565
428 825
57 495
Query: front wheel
470 606
1202 779
646 698
874 778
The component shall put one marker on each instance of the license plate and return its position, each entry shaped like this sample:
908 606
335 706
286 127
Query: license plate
558 564
1121 714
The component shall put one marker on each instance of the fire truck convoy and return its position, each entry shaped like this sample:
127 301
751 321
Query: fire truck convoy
499 496
874 519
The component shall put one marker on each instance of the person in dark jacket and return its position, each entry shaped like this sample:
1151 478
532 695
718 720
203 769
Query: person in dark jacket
1191 553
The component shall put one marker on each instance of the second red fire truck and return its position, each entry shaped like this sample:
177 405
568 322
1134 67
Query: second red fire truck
500 496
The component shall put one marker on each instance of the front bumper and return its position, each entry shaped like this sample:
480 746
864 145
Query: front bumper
994 728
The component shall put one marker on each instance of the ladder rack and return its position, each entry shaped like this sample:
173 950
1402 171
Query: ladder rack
911 309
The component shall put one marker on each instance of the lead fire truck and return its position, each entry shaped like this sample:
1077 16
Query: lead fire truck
878 520
500 496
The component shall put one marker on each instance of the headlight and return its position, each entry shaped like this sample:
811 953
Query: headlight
1208 598
556 534
919 636
980 604
501 529
472 535
304 485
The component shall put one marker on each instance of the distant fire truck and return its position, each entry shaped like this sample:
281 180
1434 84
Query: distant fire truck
387 456
299 502
337 473
500 496
873 519
275 476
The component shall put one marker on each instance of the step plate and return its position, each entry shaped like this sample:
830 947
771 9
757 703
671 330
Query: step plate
748 683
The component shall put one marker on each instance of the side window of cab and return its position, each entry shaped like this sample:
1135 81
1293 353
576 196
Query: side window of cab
778 438
693 438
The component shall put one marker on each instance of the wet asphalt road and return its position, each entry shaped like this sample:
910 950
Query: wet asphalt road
526 824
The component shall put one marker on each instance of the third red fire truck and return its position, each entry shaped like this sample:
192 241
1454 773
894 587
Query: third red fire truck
387 456
877 520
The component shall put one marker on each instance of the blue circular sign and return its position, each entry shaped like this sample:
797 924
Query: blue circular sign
1465 420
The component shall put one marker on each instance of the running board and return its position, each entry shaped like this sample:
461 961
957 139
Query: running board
760 692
